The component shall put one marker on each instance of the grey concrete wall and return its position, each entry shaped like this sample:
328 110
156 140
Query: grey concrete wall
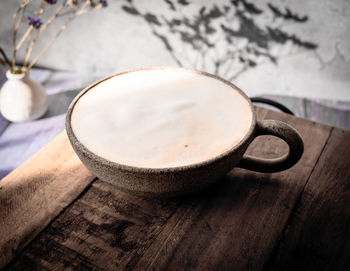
308 51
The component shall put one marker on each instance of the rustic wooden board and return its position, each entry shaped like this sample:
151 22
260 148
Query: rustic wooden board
237 224
240 225
318 234
36 192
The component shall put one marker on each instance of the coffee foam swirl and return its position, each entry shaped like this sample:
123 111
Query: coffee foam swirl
161 118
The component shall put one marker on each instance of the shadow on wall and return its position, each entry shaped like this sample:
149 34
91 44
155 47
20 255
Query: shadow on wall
226 39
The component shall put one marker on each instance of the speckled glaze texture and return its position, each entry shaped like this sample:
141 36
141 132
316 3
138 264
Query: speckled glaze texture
175 181
158 182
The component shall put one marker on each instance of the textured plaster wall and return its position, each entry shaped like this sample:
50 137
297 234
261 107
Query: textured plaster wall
112 40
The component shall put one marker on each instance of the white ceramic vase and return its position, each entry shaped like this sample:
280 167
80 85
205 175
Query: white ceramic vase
22 99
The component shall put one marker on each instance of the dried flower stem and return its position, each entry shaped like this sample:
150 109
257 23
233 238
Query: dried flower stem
24 37
30 39
36 27
41 9
63 27
2 62
14 36
66 13
21 19
5 60
42 28
15 27
28 50
78 12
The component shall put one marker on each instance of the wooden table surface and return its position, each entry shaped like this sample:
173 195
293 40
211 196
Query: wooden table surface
298 219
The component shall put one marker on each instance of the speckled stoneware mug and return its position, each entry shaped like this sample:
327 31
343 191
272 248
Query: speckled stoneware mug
176 177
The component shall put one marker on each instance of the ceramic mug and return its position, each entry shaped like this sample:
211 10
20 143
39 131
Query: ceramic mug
175 181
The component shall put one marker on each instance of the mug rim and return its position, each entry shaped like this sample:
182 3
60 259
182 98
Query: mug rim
77 144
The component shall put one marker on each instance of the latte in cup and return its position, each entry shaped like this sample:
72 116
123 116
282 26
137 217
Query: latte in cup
161 118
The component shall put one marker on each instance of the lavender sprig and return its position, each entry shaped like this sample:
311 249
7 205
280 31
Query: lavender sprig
34 21
35 26
104 3
51 2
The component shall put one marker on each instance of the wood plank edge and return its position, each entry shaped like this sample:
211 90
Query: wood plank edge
270 260
8 265
15 240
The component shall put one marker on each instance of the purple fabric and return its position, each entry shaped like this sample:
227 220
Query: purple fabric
21 140
338 116
3 124
334 113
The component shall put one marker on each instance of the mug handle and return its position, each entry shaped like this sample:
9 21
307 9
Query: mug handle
286 133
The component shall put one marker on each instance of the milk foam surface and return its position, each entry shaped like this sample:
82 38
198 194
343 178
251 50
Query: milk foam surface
160 118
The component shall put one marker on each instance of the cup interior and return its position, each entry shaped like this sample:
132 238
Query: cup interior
83 125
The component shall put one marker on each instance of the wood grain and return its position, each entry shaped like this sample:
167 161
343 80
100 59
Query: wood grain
36 192
105 229
236 224
318 235
243 218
